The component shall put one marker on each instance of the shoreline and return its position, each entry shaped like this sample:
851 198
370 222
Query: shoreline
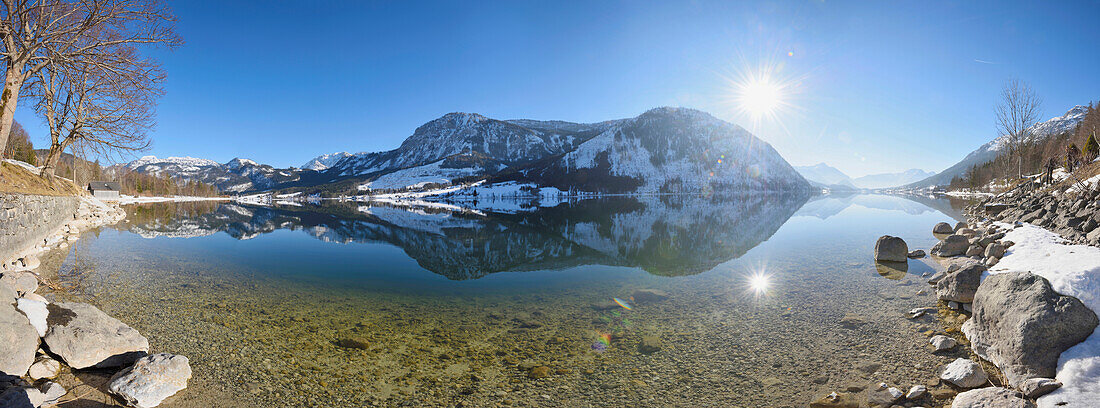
40 353
994 299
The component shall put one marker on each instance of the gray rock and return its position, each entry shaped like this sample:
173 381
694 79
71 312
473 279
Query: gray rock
974 250
649 344
966 232
1021 325
953 245
991 397
52 392
83 336
960 285
883 396
960 225
18 341
941 342
7 294
916 254
889 248
964 373
942 228
151 379
1036 387
21 282
994 250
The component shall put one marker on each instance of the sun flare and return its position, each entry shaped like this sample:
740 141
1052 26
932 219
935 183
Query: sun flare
759 283
760 97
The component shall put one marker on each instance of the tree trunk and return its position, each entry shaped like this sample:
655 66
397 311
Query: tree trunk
52 158
13 84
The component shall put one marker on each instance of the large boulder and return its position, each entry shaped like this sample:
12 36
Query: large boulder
21 282
991 397
942 228
1022 325
964 373
151 379
18 341
84 336
961 284
953 245
892 249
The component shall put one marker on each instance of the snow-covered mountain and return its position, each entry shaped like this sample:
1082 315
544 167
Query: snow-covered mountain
238 175
667 150
887 180
825 175
989 151
510 142
325 161
664 149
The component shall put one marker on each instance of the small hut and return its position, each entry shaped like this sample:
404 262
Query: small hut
104 190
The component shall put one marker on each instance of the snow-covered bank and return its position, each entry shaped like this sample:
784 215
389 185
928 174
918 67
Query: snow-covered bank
1072 270
125 199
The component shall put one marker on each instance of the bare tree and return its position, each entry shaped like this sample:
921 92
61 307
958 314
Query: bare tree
37 33
100 104
1017 114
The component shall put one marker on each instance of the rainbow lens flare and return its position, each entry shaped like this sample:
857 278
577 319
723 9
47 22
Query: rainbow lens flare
623 303
602 342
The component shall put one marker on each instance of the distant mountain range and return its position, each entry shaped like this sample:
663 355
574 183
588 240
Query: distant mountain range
989 151
826 176
664 149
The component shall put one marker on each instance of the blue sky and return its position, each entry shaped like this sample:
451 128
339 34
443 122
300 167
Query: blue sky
871 86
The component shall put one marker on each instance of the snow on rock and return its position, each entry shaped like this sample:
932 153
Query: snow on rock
1072 270
417 177
325 161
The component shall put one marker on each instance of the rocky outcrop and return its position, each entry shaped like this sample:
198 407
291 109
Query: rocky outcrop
991 397
83 336
151 379
891 249
1021 325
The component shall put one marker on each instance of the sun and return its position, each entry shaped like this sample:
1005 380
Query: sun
760 96
759 283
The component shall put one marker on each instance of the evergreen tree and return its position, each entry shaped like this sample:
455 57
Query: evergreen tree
1091 148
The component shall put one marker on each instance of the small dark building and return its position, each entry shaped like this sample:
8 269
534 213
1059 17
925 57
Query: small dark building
104 190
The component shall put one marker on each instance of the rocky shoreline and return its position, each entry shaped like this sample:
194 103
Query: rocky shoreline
41 340
1013 324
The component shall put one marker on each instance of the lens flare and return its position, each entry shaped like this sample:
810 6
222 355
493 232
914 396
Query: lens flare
623 303
759 283
760 96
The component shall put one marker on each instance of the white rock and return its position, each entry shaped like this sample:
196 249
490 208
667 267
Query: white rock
964 373
36 312
916 392
44 368
941 342
52 392
151 379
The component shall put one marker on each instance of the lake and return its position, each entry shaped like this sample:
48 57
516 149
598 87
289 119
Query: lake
755 300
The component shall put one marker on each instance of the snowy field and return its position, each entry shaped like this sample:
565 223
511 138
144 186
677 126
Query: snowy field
1072 270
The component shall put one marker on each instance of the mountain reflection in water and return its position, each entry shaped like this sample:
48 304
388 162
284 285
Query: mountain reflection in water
665 235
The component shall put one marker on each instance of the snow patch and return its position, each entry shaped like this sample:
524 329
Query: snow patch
1072 270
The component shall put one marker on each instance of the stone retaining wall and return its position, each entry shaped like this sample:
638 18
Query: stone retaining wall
27 219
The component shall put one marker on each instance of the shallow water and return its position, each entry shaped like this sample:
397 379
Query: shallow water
456 307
